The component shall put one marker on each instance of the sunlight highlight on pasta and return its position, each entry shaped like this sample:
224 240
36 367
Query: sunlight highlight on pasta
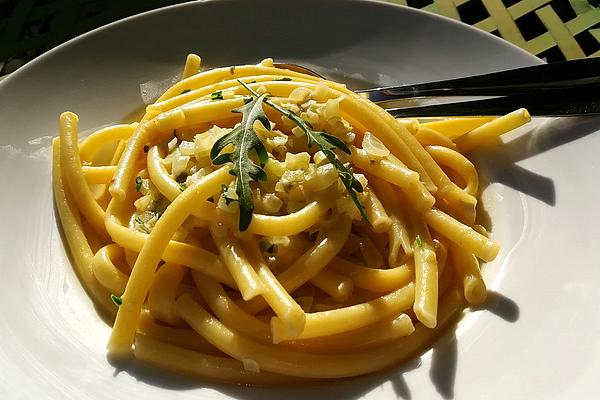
262 226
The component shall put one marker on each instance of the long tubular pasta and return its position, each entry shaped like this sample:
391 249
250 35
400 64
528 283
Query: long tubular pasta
318 256
180 253
398 233
411 125
192 66
182 337
344 319
458 163
428 137
231 85
118 151
338 286
368 336
220 74
401 141
456 127
204 366
78 244
309 365
280 301
105 270
492 130
96 140
441 255
375 280
142 275
377 214
463 235
426 285
98 174
69 152
398 175
426 274
312 261
236 262
371 255
291 224
469 274
228 311
163 292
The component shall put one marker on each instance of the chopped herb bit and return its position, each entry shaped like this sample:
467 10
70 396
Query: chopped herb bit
139 221
182 187
419 241
116 299
146 148
217 95
186 91
284 79
244 139
138 183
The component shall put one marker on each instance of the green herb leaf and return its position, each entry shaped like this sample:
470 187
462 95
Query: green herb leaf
284 79
327 144
217 95
244 139
419 241
116 299
138 183
182 187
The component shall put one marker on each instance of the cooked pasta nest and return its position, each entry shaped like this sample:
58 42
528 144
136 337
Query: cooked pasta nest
357 249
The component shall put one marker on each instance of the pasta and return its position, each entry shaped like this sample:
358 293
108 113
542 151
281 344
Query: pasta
262 226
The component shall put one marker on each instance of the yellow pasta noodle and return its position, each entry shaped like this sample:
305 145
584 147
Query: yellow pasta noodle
262 226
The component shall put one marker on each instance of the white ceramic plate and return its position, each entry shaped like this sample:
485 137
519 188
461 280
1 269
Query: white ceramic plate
538 336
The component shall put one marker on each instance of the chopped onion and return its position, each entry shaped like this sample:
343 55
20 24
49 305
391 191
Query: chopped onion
373 146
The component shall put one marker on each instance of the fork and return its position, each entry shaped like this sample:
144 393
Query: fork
568 88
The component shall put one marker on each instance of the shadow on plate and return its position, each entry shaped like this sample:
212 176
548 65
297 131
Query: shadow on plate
444 360
501 166
351 388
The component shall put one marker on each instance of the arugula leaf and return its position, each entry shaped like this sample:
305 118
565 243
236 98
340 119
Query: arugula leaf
244 139
326 143
217 95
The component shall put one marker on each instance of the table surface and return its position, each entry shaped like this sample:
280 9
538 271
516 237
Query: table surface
553 30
